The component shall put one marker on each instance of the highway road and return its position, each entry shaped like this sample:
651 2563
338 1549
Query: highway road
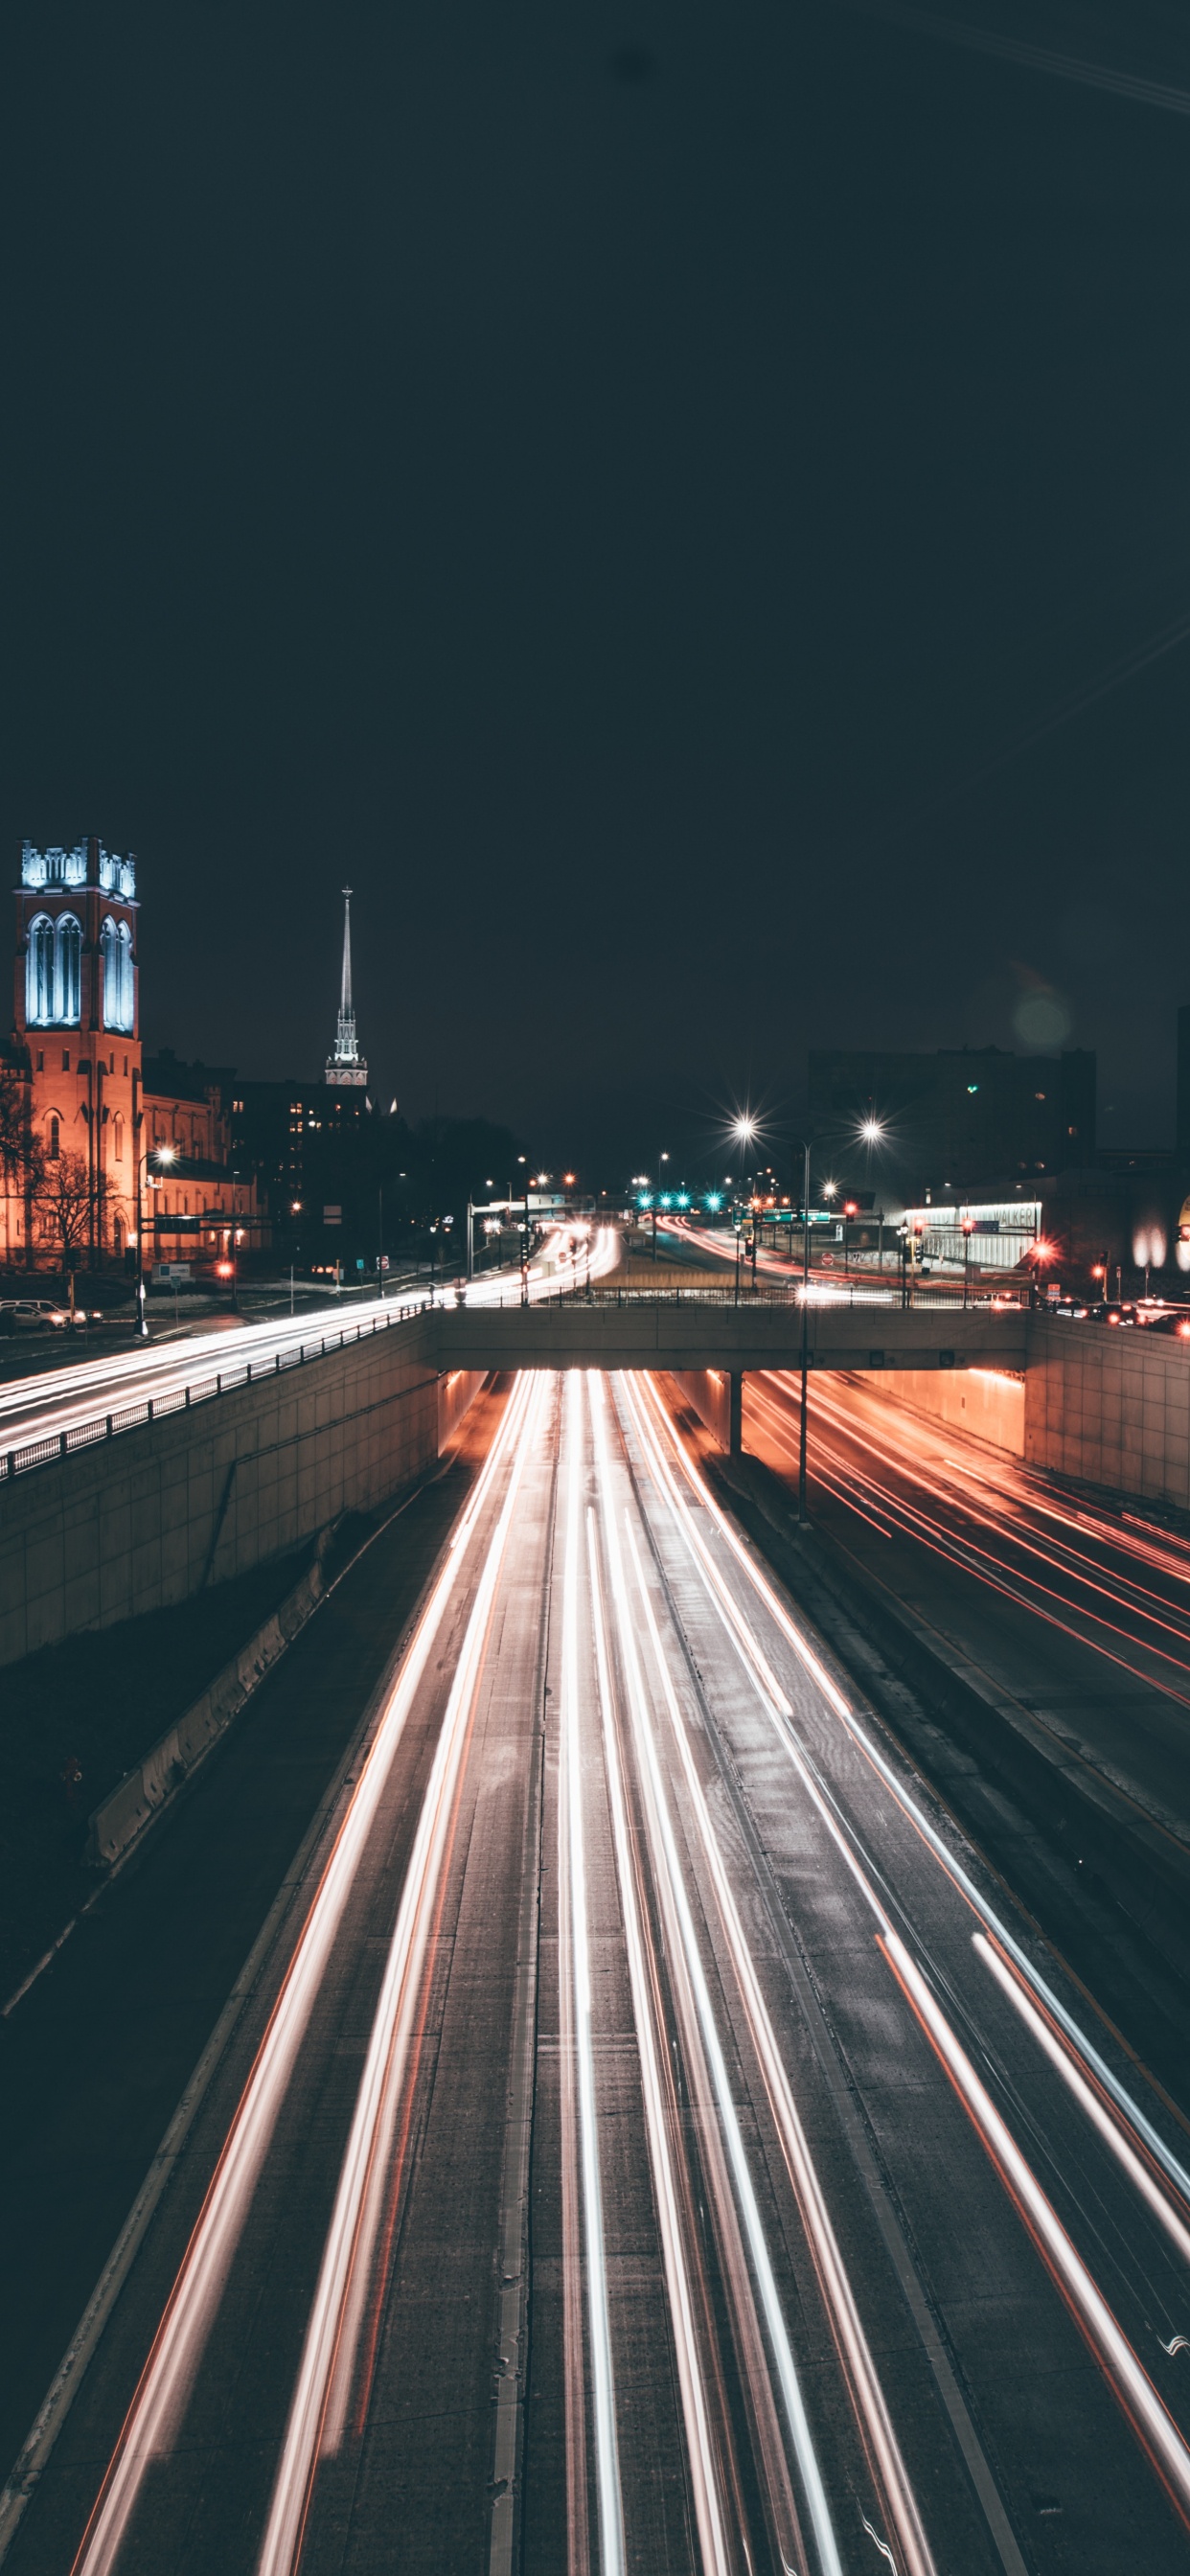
1078 1610
659 2145
78 1396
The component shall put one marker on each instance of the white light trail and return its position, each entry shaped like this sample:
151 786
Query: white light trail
672 1889
700 2449
1154 2426
1103 2116
916 1814
573 1899
318 2409
888 2468
1130 2383
178 2344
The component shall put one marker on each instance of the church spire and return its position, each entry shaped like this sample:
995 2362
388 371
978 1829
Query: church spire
346 1065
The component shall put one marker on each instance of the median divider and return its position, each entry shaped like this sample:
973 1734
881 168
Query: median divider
121 1817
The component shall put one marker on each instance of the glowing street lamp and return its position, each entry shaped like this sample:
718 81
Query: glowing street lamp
164 1154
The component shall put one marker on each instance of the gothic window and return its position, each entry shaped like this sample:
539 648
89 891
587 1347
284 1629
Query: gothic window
55 1143
68 971
39 972
115 941
118 1141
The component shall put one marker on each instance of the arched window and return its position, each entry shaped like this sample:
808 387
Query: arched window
39 972
118 1139
115 943
55 1142
68 970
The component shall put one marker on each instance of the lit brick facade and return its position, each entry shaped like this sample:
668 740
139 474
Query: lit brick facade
75 1060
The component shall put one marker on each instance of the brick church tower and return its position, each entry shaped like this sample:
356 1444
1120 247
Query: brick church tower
76 1035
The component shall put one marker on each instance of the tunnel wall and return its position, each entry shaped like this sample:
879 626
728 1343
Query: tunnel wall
709 1392
150 1517
987 1404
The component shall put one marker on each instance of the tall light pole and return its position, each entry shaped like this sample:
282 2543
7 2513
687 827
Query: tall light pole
165 1154
743 1130
802 1513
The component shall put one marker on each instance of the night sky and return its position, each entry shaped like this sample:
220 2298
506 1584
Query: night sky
686 509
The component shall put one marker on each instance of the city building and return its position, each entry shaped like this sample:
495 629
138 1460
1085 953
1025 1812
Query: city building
84 1119
345 1066
305 1140
950 1118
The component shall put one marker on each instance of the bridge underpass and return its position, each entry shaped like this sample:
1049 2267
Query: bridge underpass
710 1347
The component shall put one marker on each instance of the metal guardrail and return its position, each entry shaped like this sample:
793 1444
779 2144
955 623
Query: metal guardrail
51 1447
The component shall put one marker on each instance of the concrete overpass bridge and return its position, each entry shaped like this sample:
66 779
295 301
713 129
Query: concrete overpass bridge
216 1454
682 1330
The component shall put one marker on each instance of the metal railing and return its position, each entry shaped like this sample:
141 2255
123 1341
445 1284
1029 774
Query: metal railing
50 1447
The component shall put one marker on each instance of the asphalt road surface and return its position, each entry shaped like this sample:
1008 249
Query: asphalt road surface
656 2143
1079 1610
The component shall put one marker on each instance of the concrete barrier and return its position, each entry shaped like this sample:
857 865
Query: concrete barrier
122 1816
208 1491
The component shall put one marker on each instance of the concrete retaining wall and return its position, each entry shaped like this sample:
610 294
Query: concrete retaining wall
982 1401
120 1818
1110 1408
709 1391
149 1518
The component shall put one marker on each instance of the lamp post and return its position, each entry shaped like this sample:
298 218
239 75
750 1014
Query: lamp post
165 1154
968 1230
743 1130
802 1513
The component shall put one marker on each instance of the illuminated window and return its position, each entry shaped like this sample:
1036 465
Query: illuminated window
68 970
39 972
115 943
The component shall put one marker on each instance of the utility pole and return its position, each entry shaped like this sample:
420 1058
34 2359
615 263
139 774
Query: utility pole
802 1513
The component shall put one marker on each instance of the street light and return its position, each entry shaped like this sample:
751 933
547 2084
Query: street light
165 1154
968 1231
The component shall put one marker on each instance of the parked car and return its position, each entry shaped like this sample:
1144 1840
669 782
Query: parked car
31 1314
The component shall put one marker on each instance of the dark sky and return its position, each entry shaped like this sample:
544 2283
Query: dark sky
673 503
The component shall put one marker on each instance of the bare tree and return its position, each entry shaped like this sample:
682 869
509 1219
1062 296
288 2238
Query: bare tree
66 1197
16 1140
21 1153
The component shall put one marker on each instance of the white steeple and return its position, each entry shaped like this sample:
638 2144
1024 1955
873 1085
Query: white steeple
346 1064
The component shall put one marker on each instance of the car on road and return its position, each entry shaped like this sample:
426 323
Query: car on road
28 1314
45 1315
